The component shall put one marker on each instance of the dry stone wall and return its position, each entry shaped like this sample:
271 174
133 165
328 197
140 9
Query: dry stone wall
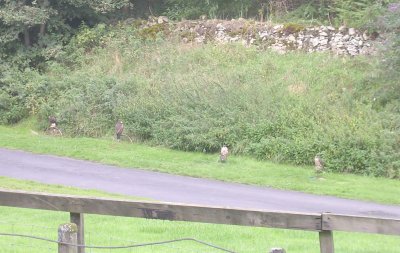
281 38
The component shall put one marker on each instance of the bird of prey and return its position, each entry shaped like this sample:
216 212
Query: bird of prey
319 164
119 128
223 154
53 121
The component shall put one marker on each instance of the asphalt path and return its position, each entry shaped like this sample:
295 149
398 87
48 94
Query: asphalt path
171 188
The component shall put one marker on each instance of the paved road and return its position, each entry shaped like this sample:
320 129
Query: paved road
164 187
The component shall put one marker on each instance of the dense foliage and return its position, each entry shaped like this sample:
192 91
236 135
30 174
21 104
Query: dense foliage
283 108
389 94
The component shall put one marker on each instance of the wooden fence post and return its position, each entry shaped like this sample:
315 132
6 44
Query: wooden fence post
326 241
67 233
77 218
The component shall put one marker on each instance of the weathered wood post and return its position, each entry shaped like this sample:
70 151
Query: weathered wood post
67 233
77 218
326 241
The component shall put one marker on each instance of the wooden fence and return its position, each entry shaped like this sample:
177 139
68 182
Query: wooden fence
324 223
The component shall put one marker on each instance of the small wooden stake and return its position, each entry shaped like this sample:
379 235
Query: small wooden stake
67 233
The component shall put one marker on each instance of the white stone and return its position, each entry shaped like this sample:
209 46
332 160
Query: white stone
292 38
263 34
352 31
220 27
324 42
315 42
325 34
162 19
354 42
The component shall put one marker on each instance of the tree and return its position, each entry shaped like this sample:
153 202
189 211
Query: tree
29 17
18 17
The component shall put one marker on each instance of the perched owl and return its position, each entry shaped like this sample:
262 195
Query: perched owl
319 164
53 121
223 154
119 128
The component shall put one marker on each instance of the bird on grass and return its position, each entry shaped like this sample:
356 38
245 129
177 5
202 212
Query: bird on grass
319 165
119 128
53 121
223 156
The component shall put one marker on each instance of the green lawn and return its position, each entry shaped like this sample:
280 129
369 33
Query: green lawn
26 185
237 169
103 230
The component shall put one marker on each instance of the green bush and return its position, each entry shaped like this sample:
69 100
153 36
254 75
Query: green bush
20 94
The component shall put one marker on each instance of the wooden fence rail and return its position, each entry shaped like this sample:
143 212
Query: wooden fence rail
323 223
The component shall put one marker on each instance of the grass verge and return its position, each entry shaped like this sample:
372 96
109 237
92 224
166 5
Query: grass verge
237 169
26 185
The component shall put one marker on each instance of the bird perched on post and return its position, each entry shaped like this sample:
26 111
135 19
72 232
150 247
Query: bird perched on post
119 128
319 164
223 154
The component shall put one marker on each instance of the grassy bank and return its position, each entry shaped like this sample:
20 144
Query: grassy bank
191 97
240 169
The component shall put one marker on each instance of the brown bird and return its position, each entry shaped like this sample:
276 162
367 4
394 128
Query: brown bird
53 121
119 128
319 164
